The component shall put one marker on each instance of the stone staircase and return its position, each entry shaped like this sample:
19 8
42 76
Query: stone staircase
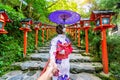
81 67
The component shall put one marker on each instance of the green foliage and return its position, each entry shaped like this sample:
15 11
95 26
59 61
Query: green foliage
11 12
114 52
11 44
110 5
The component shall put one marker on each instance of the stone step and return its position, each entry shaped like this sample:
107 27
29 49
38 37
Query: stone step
74 67
33 75
73 57
48 47
85 67
47 51
84 76
21 75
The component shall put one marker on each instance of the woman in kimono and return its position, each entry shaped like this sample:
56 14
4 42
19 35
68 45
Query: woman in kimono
60 50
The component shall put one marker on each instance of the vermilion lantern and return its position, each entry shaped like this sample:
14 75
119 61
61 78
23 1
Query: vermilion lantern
102 20
37 27
26 24
43 30
86 25
78 33
3 19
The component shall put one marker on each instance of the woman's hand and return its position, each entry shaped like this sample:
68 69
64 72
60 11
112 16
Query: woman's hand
52 68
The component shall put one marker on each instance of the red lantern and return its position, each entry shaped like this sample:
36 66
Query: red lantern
102 20
85 26
3 20
78 33
37 27
26 23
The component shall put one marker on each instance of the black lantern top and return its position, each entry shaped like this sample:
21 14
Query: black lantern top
85 22
95 14
102 17
27 20
37 24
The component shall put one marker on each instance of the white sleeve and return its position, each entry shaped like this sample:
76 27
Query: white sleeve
52 51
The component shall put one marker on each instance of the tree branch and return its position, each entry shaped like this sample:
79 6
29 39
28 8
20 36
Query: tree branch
52 4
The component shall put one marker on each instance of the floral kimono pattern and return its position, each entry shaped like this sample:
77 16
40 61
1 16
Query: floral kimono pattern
60 50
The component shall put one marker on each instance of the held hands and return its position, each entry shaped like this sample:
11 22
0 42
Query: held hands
52 68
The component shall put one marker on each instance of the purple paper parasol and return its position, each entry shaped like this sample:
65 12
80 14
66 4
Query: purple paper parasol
64 17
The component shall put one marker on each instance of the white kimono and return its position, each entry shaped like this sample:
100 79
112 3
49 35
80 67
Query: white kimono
62 65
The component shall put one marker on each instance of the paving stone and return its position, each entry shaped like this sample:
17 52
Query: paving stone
32 75
20 75
11 74
84 76
85 67
47 51
73 57
48 47
79 58
17 77
44 48
39 56
75 67
78 51
32 65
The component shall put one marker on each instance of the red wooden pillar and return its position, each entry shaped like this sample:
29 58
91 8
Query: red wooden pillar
25 43
25 28
104 51
78 37
36 38
102 19
47 32
37 28
43 35
104 48
86 25
75 34
86 41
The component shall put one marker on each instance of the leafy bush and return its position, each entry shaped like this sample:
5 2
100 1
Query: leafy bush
113 43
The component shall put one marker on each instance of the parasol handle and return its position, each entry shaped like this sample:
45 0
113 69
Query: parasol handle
44 69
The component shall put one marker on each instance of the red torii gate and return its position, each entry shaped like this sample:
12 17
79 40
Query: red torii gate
102 20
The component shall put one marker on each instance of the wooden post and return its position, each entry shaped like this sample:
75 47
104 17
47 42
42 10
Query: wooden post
43 35
75 34
25 43
36 38
104 52
78 37
86 40
47 32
